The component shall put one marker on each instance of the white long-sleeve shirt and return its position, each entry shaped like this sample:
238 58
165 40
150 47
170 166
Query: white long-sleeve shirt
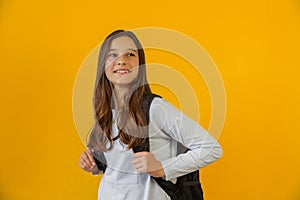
167 126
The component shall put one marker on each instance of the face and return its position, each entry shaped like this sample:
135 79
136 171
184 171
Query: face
122 64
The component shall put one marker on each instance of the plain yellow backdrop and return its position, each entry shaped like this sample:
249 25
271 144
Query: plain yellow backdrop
255 45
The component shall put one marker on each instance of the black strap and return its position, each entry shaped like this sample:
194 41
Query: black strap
171 189
100 160
187 187
146 102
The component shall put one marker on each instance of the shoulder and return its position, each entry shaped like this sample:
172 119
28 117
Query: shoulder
159 102
161 108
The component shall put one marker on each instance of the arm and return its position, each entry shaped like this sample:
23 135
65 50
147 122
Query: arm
204 149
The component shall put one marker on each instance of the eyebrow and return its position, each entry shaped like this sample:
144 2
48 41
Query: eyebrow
126 49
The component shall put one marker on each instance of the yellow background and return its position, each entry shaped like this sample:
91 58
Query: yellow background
255 45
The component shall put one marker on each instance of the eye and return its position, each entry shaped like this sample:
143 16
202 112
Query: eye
131 54
114 55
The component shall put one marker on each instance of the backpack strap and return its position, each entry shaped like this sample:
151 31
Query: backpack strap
187 187
146 102
171 189
100 159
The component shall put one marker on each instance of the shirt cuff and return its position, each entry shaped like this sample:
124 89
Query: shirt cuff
97 174
167 167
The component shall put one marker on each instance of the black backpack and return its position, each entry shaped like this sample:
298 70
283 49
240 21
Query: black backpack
187 187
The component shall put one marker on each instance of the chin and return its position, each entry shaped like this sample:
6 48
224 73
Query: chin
126 83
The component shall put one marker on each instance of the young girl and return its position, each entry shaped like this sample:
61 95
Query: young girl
121 125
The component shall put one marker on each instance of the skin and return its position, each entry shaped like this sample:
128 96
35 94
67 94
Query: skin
121 68
123 55
87 162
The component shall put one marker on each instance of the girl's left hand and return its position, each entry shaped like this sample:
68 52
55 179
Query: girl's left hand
145 162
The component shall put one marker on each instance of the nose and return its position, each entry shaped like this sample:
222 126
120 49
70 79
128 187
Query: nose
121 61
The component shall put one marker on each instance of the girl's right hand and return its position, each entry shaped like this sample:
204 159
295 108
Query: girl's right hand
87 162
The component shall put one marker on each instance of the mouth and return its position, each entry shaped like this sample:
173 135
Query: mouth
122 71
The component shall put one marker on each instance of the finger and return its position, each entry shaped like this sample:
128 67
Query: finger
139 168
86 168
82 165
140 154
90 157
85 165
86 160
138 160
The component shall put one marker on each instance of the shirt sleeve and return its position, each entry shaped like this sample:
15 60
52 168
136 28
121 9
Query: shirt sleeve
204 149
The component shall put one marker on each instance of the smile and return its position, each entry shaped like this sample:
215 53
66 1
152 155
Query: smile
122 71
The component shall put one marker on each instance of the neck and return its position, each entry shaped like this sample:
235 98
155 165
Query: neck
119 96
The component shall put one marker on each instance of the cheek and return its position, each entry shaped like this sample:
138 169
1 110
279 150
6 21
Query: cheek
108 69
107 74
137 71
108 64
133 62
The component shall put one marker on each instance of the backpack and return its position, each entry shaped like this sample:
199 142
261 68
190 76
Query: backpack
187 187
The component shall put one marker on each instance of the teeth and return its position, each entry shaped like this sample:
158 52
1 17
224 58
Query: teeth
122 71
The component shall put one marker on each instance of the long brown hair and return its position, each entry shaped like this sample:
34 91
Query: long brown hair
131 117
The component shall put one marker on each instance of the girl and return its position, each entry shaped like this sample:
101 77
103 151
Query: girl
121 125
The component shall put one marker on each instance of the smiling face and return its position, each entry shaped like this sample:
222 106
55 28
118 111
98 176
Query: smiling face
122 63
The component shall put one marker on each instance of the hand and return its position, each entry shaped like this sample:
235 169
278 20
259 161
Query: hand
87 162
145 162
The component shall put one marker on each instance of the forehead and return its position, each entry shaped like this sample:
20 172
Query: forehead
123 43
